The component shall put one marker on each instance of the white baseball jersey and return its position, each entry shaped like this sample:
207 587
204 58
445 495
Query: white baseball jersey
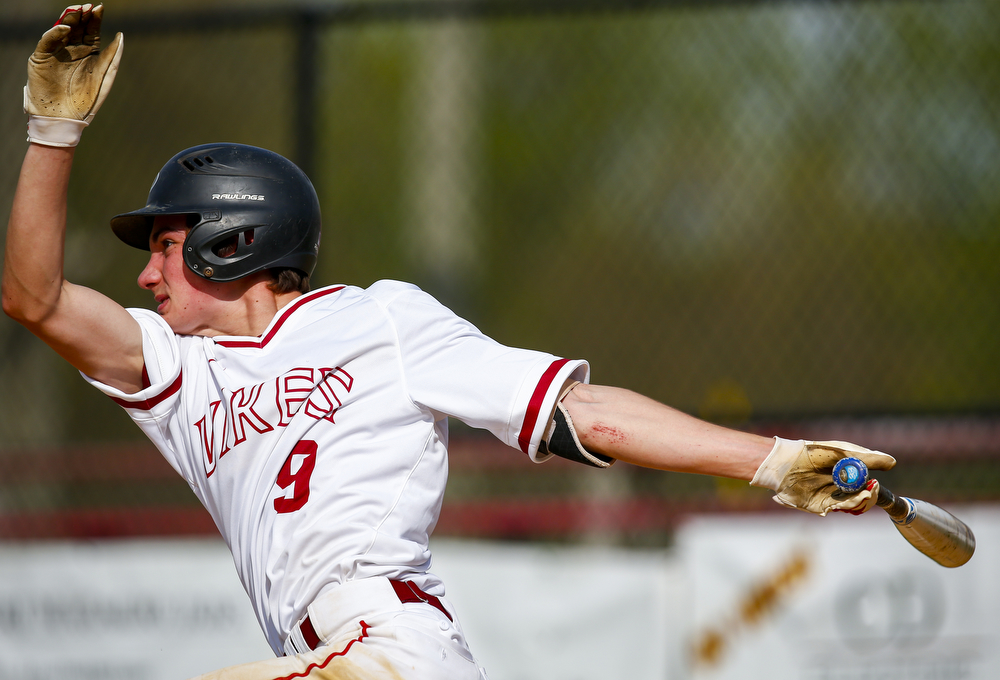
320 447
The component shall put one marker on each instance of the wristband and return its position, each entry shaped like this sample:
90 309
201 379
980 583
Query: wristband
778 463
64 132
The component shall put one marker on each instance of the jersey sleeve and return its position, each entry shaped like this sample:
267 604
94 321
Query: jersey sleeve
152 406
453 369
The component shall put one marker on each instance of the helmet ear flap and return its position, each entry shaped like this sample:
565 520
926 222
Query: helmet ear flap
227 247
218 250
234 244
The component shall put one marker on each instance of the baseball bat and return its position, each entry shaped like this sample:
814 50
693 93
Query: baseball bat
935 532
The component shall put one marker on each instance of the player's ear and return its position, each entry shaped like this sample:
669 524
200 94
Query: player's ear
227 247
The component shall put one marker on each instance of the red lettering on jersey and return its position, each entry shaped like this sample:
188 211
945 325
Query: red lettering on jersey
207 431
315 392
341 376
243 414
291 389
317 388
324 402
294 477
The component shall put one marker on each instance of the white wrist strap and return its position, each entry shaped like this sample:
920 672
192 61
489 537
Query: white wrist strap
55 131
777 464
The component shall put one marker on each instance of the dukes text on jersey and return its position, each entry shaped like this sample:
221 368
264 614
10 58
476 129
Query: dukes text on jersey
316 393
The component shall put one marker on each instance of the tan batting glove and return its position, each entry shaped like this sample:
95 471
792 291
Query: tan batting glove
801 474
69 77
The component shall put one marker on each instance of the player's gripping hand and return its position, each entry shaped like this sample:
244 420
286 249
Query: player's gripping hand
69 76
801 474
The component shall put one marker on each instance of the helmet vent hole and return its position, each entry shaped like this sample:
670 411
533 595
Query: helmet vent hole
227 247
193 164
248 236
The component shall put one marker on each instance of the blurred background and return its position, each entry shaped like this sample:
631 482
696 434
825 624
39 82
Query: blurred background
778 216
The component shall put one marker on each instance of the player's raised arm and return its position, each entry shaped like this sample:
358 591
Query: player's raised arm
68 79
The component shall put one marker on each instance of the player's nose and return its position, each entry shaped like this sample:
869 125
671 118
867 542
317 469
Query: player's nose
150 275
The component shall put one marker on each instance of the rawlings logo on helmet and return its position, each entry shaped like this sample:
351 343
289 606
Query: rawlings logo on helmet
238 197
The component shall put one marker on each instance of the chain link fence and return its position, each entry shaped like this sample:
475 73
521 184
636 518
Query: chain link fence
775 215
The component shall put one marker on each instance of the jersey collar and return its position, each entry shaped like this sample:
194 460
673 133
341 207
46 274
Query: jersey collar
277 322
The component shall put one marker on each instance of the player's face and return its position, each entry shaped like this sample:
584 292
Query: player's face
190 304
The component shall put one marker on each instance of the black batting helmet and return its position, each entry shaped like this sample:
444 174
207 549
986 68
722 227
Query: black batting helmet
249 209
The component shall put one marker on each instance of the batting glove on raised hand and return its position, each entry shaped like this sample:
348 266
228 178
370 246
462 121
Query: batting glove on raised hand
801 474
69 77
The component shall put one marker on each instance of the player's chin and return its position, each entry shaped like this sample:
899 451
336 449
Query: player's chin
177 325
178 328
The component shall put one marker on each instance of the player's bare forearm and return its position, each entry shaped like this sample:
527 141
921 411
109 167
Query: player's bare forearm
90 331
635 429
33 258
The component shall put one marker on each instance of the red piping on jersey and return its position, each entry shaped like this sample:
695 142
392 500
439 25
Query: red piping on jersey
285 313
148 404
535 404
320 666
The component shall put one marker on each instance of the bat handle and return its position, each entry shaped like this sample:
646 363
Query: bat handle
897 507
931 530
851 475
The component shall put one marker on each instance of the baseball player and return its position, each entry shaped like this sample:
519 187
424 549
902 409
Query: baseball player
312 424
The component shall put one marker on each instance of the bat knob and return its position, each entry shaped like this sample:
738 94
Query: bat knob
850 474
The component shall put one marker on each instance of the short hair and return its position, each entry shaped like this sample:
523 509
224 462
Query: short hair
288 280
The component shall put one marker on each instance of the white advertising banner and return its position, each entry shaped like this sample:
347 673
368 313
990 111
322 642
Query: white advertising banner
122 610
152 610
567 613
784 596
795 597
